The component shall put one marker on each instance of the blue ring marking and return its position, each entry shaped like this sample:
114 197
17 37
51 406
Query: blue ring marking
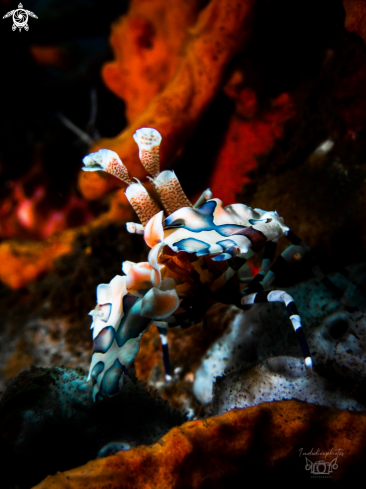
227 243
192 245
207 208
203 213
109 385
132 323
104 340
201 219
222 257
97 369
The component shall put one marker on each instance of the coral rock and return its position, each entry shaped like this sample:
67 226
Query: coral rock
239 443
48 415
278 378
147 45
22 262
222 30
336 337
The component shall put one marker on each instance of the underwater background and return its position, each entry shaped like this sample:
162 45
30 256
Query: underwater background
263 102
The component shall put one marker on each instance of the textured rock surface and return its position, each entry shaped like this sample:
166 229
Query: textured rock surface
48 422
48 325
336 337
277 379
147 45
231 448
222 30
24 261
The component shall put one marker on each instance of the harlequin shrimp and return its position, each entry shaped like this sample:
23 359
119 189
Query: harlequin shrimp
196 254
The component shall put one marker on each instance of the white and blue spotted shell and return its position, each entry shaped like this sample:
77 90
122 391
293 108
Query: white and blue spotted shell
214 230
150 292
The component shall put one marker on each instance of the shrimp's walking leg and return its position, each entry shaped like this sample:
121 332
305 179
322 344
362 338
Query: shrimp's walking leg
164 342
282 296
